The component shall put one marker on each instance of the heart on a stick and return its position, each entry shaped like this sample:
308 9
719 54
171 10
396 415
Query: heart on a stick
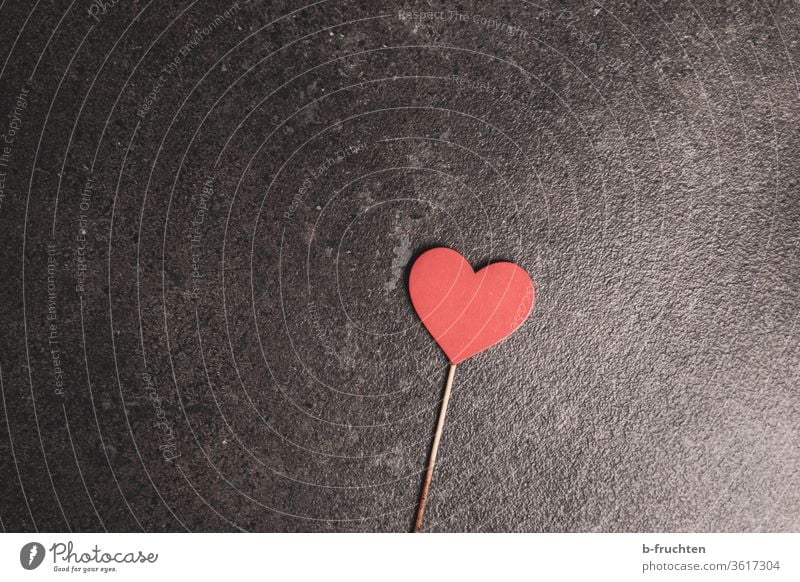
465 311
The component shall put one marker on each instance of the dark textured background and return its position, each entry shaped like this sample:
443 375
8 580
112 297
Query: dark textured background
639 159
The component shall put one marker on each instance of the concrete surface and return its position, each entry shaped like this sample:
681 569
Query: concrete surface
220 338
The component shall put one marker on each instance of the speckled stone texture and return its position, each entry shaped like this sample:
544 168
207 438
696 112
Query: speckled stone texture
208 214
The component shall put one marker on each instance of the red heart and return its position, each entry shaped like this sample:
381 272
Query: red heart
467 312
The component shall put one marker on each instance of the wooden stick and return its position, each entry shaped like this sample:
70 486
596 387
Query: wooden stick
423 498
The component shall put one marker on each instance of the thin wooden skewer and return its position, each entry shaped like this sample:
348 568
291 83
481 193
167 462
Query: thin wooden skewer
423 498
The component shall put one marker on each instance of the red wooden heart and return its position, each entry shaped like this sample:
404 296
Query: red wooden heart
467 312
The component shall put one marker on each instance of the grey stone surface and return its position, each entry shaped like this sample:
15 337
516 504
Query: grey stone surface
235 344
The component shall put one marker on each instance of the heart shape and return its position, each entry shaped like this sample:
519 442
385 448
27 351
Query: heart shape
467 312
